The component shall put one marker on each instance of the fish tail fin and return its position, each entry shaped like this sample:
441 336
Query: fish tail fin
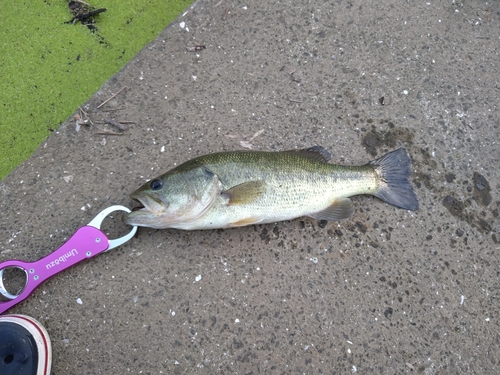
394 170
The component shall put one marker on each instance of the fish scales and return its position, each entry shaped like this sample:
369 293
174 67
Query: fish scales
295 185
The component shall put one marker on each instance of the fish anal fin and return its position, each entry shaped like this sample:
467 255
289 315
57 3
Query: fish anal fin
340 209
317 153
245 193
246 221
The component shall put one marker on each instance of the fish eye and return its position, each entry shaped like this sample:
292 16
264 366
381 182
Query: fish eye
156 184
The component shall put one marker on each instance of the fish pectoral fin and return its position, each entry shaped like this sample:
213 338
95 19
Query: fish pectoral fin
340 209
245 222
317 153
245 193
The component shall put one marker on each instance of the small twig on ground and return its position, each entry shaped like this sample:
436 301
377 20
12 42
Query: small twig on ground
226 12
256 135
107 100
295 101
196 47
109 133
219 3
86 115
78 122
248 144
115 123
81 118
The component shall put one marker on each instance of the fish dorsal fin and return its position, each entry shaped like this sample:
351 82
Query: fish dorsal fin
245 193
317 153
340 209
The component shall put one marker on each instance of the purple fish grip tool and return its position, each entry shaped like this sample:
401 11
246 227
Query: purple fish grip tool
87 242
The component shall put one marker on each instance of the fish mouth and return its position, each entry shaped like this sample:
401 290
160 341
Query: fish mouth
146 212
148 202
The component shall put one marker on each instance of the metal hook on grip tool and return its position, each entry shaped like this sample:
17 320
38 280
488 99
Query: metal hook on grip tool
87 242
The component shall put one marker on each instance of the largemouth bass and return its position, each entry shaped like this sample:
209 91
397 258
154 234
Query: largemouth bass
234 189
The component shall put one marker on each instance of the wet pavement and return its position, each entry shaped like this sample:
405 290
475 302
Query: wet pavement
386 292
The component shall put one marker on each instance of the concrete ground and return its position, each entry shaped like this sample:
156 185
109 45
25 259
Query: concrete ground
387 292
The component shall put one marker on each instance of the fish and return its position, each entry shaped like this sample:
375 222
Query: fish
238 188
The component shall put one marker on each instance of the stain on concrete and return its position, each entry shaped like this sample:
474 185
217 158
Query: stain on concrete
453 205
425 165
464 210
387 138
450 177
481 190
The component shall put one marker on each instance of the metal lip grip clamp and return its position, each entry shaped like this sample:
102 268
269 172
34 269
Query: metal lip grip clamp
87 242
